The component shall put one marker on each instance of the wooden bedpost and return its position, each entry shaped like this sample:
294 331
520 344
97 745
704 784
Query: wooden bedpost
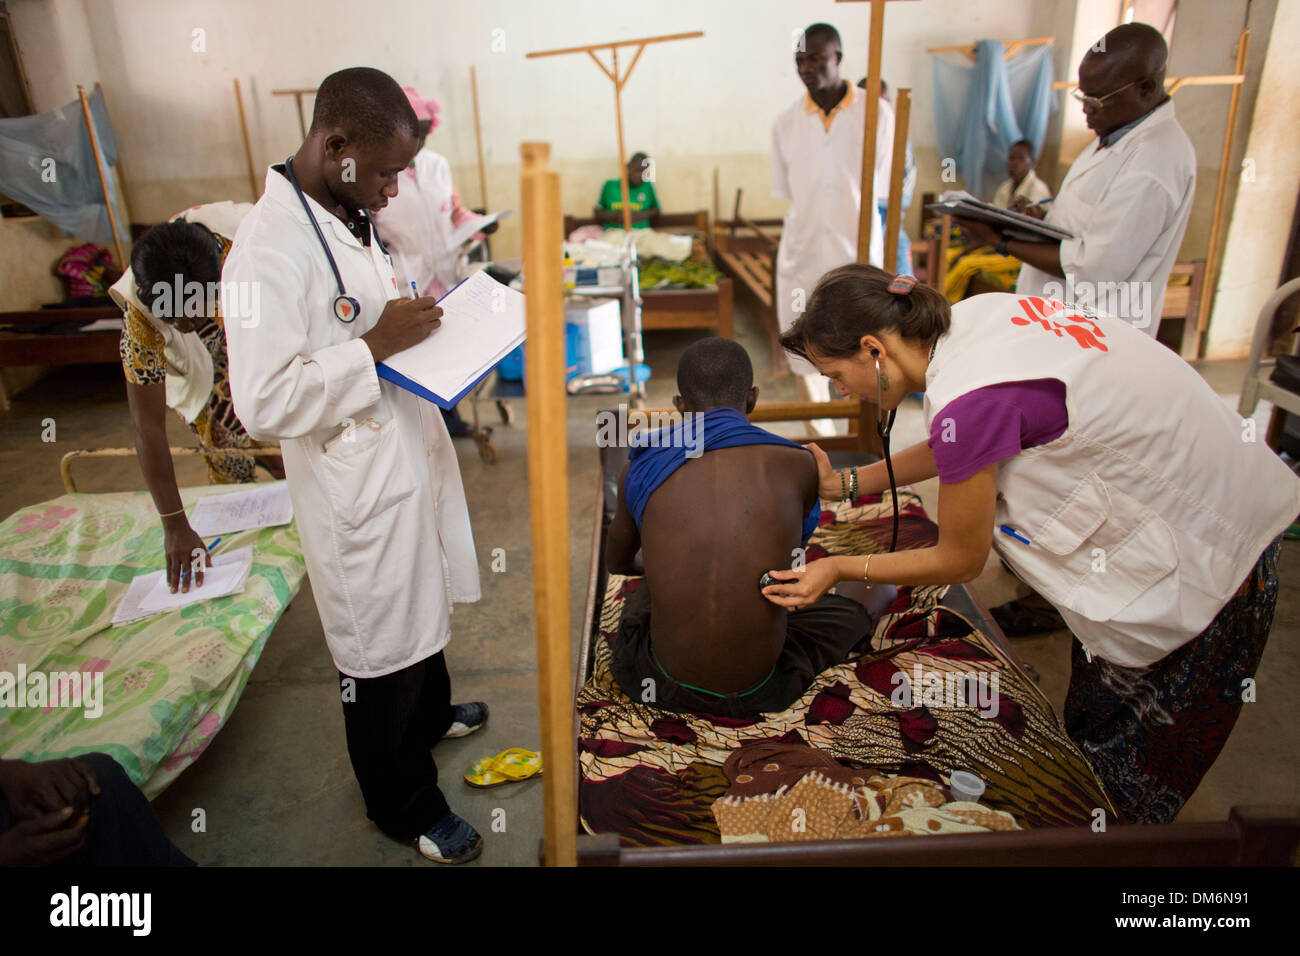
248 146
619 80
478 140
897 170
103 176
1214 255
548 493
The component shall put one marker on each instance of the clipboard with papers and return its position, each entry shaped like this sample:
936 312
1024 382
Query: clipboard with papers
482 322
1013 225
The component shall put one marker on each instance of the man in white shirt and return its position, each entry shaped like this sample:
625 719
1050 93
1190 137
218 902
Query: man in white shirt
817 165
375 484
1128 196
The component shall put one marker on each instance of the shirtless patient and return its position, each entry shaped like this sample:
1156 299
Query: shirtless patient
708 527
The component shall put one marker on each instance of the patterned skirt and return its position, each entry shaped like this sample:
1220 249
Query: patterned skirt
1153 732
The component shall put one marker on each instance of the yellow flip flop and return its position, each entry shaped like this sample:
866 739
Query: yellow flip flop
509 766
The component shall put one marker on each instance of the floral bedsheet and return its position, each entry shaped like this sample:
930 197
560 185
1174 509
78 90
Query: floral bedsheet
169 682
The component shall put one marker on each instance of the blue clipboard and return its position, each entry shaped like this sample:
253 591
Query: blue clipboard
447 404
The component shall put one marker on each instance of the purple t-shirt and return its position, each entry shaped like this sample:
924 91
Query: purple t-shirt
994 423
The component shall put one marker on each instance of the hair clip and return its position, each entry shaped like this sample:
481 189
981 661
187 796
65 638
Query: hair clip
902 284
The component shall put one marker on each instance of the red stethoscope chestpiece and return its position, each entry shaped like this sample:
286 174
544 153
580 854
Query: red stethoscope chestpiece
346 308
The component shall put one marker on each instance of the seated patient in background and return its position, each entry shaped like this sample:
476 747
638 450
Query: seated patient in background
711 504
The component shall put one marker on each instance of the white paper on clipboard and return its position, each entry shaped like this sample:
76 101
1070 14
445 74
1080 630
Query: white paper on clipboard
473 224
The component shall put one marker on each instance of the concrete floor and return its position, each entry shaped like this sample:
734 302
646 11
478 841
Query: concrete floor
276 784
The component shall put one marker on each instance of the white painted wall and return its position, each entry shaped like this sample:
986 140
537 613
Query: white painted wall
693 104
1265 205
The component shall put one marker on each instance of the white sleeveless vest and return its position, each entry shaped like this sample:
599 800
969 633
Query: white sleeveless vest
1148 513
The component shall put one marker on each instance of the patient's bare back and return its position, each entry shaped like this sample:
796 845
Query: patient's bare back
707 535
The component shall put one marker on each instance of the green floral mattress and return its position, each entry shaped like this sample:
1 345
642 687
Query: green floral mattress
169 681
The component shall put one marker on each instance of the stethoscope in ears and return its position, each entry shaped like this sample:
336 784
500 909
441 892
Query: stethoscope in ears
885 425
346 308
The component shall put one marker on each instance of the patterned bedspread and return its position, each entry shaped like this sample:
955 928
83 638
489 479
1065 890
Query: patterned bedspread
652 776
169 681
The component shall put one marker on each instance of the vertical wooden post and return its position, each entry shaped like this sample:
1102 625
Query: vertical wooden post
1215 253
940 270
548 490
103 178
897 170
622 151
867 211
121 170
248 148
717 209
478 141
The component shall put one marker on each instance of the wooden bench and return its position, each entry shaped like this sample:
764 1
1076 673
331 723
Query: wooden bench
680 308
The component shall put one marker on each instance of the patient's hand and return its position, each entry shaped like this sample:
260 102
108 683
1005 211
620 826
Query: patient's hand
803 587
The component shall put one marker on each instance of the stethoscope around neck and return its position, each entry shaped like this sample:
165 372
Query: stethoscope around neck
346 308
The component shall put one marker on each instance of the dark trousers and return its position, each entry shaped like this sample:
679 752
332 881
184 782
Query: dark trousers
122 830
391 723
817 637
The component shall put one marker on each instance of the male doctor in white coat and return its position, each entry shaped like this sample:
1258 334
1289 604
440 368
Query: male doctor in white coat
376 489
817 164
1126 199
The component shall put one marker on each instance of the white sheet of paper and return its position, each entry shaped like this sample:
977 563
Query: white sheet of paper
482 320
103 325
265 506
475 223
228 575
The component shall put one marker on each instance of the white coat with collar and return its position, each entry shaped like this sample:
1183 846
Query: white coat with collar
820 172
1127 205
374 480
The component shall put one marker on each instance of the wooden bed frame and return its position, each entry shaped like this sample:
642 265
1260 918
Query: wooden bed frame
1251 836
64 348
680 308
745 249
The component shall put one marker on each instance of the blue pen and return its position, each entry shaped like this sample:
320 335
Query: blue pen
414 292
214 544
1008 530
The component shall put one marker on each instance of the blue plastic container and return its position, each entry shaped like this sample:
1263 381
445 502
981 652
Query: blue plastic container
511 368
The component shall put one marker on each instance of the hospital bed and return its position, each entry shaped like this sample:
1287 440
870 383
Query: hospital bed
680 308
647 779
171 681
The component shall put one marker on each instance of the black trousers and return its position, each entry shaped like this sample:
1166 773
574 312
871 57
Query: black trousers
391 723
817 637
122 830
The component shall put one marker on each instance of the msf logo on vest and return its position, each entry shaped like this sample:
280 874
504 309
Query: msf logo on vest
1130 301
77 909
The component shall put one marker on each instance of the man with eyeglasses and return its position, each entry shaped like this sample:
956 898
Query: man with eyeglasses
1128 196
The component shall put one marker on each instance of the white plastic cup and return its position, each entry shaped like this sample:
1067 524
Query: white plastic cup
965 787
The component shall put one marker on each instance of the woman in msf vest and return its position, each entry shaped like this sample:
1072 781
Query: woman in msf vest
1106 474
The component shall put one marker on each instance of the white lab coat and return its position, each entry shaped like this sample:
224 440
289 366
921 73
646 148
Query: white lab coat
416 225
374 480
820 171
1128 206
1146 515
